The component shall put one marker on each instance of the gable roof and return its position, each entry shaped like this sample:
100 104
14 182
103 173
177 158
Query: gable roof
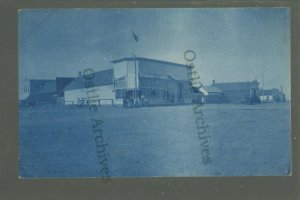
167 77
48 88
37 84
212 89
104 77
146 59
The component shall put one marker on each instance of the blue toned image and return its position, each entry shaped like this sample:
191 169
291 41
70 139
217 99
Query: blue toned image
107 93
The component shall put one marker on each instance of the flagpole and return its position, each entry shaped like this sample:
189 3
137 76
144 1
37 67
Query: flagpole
135 85
132 44
132 54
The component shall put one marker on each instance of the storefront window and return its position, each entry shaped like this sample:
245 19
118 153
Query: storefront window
120 83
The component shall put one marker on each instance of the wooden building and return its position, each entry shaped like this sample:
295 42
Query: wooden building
240 92
134 80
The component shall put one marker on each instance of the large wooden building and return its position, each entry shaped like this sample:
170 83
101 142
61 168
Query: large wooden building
135 80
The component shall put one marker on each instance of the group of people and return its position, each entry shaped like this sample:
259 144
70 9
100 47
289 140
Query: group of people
130 101
140 100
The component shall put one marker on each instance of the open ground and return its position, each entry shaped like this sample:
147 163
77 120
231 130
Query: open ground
244 140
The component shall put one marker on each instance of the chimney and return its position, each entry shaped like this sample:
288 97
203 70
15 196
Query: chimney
79 73
214 81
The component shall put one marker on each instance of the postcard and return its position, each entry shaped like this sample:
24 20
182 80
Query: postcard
182 92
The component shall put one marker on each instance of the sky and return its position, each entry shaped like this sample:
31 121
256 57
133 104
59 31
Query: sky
231 44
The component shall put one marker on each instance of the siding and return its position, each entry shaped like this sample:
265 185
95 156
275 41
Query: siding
148 68
99 92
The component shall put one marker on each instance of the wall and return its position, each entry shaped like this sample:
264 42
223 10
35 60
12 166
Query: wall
214 99
152 68
102 92
166 90
237 96
266 98
129 70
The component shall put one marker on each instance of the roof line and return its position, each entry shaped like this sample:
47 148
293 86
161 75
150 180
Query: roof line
147 59
41 79
236 82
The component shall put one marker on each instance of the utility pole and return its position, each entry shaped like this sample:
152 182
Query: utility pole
262 82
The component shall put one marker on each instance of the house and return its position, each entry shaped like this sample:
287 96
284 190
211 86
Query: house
212 94
271 95
240 92
135 80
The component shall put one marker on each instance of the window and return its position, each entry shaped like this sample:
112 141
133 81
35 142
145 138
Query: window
26 89
120 82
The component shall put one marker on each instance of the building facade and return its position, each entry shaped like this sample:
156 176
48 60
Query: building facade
240 92
159 82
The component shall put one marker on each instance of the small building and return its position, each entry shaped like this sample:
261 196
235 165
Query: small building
240 92
212 94
271 95
134 80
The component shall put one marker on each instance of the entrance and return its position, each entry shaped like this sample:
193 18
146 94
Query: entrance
179 93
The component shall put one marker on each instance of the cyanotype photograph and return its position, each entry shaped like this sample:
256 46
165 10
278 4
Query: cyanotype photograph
181 92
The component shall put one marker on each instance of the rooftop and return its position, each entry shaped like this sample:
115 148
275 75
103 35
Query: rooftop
235 85
212 89
104 77
146 59
48 88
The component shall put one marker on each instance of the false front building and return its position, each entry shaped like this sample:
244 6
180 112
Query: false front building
134 79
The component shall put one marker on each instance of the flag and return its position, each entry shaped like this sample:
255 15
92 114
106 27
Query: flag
135 37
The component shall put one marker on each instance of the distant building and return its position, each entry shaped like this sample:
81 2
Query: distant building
38 91
135 80
240 92
30 90
212 94
271 95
